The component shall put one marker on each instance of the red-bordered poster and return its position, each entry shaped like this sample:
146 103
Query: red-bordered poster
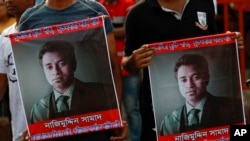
70 59
197 73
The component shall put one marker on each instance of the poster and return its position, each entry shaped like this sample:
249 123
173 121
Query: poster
201 73
72 59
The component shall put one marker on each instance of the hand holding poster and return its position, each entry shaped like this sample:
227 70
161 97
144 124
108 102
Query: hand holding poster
196 74
69 60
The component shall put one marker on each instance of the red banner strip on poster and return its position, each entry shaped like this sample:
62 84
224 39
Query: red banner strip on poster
79 124
47 31
191 43
211 134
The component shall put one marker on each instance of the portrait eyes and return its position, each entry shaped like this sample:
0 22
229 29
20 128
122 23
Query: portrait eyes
183 80
192 79
60 64
196 77
48 67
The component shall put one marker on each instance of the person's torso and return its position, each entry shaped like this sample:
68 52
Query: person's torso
7 24
18 118
118 12
148 23
41 15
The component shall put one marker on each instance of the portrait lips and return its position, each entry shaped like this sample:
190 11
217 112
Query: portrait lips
57 79
190 92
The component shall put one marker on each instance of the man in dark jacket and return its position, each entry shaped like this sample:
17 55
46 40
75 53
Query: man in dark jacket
202 109
59 64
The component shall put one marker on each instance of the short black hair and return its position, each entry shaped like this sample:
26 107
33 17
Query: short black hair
192 59
64 47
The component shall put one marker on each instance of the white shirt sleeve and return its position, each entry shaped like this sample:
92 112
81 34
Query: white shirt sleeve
2 62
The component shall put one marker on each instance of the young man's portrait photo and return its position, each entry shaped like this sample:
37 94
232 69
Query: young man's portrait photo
196 89
65 75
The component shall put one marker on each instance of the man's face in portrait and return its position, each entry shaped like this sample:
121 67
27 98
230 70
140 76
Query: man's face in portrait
58 70
192 82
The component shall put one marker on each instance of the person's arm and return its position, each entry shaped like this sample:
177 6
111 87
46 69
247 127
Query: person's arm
119 32
3 85
116 69
138 60
137 54
119 133
240 40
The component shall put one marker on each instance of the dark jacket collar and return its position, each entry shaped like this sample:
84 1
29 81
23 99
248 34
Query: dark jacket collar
153 3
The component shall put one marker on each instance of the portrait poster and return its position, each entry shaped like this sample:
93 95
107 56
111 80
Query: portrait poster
223 104
92 102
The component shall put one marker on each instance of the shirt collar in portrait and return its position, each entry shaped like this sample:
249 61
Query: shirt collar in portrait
68 92
199 106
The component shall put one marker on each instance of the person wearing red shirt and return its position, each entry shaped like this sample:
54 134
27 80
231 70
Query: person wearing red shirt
118 10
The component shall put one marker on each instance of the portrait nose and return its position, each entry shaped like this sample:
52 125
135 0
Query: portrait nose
56 70
190 83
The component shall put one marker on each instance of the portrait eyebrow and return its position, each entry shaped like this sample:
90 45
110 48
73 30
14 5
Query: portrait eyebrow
182 77
63 59
47 65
